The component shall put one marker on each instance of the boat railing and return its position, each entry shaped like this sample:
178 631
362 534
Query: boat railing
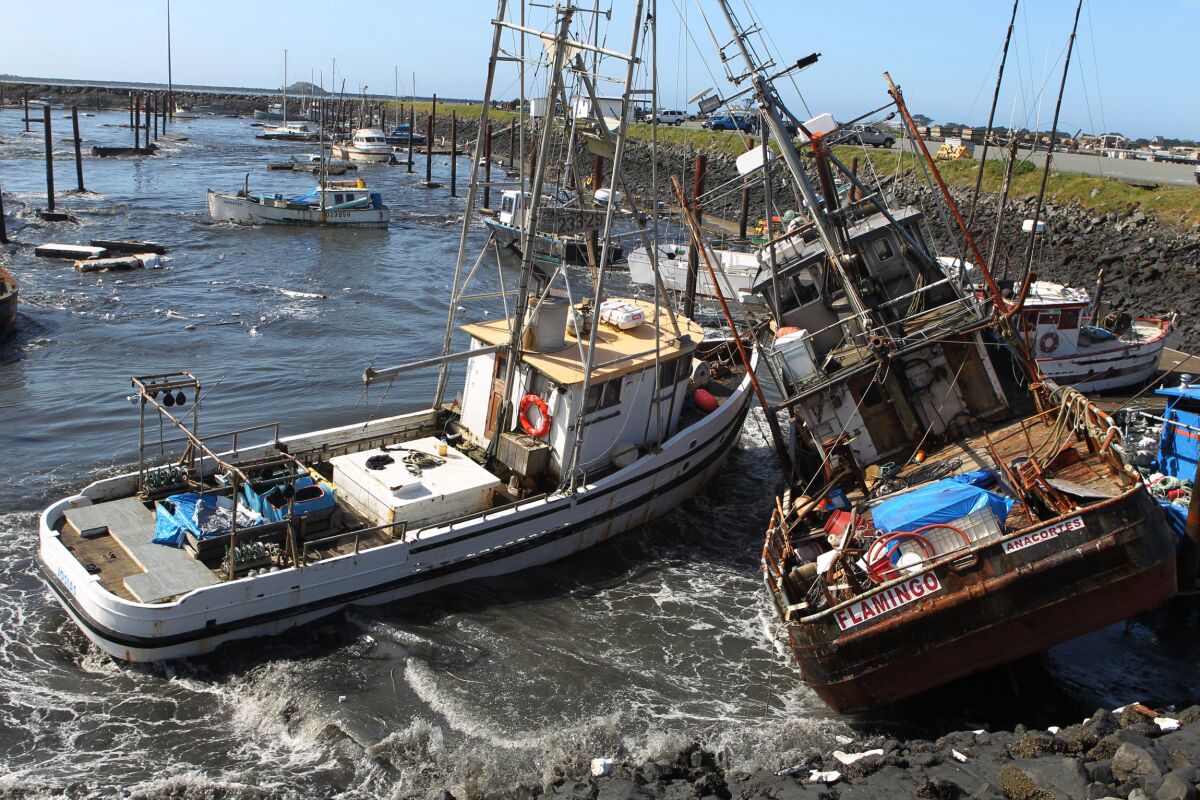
393 530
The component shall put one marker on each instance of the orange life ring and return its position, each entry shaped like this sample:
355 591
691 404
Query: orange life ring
526 424
1049 342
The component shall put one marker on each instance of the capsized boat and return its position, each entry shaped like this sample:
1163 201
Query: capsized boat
335 203
925 535
578 421
366 146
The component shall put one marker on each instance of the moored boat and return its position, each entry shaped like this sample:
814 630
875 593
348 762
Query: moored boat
335 203
738 272
576 422
366 146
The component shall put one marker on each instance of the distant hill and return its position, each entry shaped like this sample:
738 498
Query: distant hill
306 88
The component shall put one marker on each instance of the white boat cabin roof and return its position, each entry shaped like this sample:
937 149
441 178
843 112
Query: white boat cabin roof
618 352
1048 293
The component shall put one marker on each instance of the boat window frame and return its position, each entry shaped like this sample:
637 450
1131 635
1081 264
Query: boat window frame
602 395
1068 319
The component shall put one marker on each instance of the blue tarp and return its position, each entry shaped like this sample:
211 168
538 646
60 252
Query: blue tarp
1176 517
311 197
171 525
982 478
942 501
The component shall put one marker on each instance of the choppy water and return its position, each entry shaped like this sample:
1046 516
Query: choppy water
636 647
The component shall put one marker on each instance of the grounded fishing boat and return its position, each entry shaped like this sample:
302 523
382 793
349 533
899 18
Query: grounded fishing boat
366 146
334 203
575 424
9 291
904 572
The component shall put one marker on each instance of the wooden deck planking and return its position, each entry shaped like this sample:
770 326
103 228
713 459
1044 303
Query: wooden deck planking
165 571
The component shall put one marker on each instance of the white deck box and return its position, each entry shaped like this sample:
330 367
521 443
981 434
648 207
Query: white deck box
393 494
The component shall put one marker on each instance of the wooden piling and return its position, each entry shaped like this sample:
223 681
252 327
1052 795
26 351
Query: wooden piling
137 121
412 123
156 111
147 110
78 148
743 218
689 298
132 114
49 159
429 149
487 168
3 229
454 154
27 111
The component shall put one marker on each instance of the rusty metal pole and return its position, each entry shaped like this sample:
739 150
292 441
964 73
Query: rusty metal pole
743 218
689 298
454 154
78 146
487 168
49 159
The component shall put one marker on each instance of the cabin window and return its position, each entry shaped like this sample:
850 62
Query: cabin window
668 372
883 250
803 291
1048 318
338 198
508 204
1068 319
603 395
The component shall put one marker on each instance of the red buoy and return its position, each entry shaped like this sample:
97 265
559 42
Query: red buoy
705 401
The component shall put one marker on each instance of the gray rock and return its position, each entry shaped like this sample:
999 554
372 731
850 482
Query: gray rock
621 789
1096 790
572 790
1175 788
1063 777
1098 771
1139 794
1133 761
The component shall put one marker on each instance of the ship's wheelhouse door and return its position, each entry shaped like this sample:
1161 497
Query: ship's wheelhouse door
973 380
879 415
496 399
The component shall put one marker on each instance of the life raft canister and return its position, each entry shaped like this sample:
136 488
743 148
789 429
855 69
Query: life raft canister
1049 342
526 424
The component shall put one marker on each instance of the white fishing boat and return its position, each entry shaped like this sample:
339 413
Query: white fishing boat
185 112
1061 328
738 272
366 146
577 421
336 203
1074 350
548 248
291 132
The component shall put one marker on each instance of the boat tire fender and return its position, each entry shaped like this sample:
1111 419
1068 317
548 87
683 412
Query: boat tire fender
543 427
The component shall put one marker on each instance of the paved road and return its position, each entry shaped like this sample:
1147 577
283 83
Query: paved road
1130 170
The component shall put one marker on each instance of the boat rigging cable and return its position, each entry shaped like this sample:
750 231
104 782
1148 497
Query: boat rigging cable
987 136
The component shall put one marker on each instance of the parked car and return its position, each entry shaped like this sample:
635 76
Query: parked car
665 117
869 134
733 122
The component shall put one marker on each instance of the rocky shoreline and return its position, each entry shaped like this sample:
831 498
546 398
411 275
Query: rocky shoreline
1135 753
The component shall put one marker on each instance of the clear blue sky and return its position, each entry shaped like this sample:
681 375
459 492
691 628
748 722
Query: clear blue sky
1133 71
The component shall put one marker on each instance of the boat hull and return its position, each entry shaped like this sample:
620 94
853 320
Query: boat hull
1112 367
245 211
500 541
364 156
1121 562
8 311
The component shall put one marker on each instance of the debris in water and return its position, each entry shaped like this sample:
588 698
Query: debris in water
602 767
958 756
